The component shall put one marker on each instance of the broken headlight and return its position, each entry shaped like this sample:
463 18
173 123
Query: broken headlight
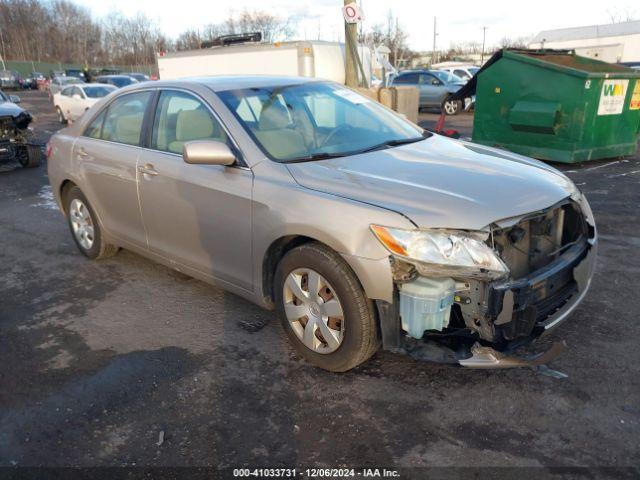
443 253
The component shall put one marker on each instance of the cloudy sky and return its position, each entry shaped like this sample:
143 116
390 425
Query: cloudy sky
458 21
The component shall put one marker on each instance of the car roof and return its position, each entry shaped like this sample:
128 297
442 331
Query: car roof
96 84
114 76
221 83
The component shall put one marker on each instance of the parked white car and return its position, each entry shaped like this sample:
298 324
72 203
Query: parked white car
465 72
73 100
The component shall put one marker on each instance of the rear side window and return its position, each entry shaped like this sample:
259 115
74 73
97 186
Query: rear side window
180 118
123 121
409 78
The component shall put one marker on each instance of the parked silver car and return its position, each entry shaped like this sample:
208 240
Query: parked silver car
435 86
359 227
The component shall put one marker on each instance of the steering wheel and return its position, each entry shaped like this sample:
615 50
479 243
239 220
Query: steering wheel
333 133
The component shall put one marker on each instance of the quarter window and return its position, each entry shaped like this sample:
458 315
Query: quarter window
181 118
123 121
94 130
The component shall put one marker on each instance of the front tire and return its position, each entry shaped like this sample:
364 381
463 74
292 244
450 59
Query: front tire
29 156
324 310
85 228
61 118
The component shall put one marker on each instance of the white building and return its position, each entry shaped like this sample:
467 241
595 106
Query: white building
615 43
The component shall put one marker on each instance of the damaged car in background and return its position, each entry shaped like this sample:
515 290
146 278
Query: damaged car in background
360 228
16 142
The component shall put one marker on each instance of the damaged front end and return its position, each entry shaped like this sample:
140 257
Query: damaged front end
14 132
16 137
472 298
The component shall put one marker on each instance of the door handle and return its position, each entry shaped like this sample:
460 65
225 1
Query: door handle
82 152
148 170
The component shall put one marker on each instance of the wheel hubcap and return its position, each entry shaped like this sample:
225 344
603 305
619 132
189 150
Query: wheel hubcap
81 223
450 107
313 310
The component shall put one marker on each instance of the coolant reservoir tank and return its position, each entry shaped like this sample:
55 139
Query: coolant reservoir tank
425 304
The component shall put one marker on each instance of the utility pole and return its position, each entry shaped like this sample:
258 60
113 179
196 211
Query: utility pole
4 67
350 32
435 33
484 36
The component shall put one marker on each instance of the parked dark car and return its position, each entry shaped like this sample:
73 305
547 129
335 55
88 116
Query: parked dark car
15 137
141 77
9 80
31 82
75 72
116 80
435 86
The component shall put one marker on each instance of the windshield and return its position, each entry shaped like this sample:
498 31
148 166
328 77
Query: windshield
98 91
447 77
69 80
316 120
3 97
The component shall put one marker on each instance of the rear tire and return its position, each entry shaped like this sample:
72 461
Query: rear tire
452 107
357 322
84 227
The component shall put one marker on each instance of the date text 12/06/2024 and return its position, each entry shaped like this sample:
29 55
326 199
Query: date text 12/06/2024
315 473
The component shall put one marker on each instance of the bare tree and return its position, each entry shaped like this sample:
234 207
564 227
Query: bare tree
625 14
520 42
393 36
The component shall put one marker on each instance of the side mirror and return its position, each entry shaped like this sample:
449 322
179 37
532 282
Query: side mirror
14 99
435 81
208 152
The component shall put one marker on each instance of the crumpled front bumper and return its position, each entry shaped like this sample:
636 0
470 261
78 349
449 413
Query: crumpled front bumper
544 299
529 307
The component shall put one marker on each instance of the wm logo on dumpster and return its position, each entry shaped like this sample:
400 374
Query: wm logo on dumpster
613 90
612 97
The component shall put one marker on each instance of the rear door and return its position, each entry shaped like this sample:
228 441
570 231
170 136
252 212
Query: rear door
412 80
198 216
106 155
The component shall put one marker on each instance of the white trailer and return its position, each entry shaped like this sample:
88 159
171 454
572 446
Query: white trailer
301 58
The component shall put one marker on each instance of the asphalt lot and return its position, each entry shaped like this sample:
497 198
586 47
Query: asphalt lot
98 360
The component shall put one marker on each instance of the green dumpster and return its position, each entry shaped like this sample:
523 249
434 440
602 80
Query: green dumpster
555 105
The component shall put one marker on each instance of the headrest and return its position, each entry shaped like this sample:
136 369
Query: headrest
274 117
194 125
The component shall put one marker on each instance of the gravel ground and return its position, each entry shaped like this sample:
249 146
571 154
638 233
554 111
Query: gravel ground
99 360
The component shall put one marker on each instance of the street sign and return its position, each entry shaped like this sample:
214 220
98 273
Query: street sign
352 13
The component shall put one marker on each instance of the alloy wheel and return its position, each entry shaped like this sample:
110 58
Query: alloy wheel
450 108
313 310
81 223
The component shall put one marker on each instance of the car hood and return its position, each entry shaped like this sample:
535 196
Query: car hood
440 183
10 109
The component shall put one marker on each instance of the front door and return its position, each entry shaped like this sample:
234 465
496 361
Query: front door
430 90
195 215
76 104
106 156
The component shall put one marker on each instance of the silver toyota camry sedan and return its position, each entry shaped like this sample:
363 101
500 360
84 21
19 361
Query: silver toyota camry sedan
360 228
